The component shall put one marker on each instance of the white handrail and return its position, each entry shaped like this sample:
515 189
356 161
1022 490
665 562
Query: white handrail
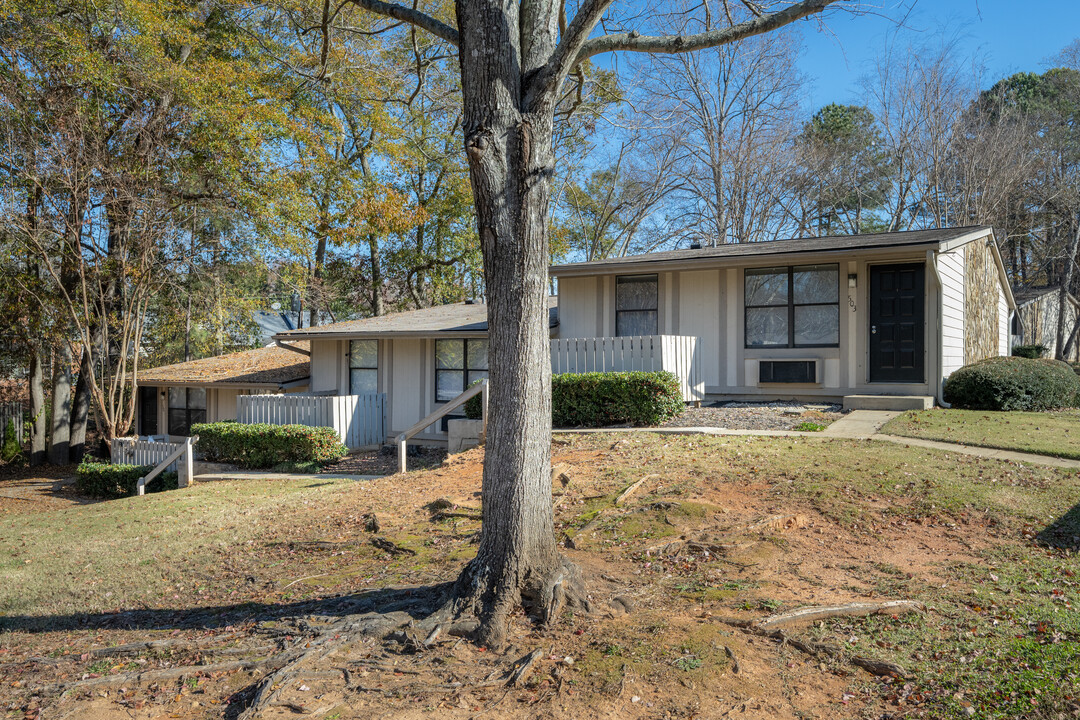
481 389
186 449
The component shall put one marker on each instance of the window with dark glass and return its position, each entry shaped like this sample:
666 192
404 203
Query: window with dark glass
187 406
635 305
792 306
363 366
458 364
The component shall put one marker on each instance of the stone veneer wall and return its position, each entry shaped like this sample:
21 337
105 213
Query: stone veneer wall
981 298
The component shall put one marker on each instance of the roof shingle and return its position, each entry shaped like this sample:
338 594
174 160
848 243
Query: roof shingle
271 366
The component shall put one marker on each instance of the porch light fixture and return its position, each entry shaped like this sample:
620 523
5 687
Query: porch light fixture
852 280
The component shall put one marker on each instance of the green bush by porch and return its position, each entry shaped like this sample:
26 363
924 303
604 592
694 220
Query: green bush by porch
1013 383
103 480
260 447
614 398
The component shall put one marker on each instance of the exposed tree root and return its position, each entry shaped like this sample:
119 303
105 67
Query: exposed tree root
772 627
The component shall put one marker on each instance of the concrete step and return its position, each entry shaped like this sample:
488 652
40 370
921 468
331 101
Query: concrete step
888 402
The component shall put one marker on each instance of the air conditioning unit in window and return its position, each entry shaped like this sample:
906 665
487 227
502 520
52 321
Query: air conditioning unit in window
788 371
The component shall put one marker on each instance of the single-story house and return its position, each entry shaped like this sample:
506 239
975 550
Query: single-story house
884 315
1036 319
174 397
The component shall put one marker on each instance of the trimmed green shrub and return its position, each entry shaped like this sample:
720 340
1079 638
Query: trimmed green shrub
1031 352
103 480
1013 383
615 398
262 447
11 449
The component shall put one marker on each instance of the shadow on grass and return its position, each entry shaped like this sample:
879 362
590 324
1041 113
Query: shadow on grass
1063 533
417 601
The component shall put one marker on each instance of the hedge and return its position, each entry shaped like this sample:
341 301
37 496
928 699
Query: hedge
614 398
1013 383
260 446
1029 351
103 480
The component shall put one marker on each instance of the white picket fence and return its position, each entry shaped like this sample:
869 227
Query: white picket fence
678 354
134 451
360 420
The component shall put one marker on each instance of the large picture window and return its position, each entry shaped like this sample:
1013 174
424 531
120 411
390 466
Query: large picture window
793 306
363 366
458 364
635 305
187 406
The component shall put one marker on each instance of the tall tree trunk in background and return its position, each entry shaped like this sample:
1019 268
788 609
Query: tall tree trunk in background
60 435
1066 288
37 405
80 409
377 305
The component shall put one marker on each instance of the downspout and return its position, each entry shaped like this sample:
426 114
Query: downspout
939 353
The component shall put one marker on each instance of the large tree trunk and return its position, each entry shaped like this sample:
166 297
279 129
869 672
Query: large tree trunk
60 437
510 160
80 409
1066 288
37 405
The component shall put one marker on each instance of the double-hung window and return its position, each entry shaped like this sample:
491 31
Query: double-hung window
187 406
458 364
635 305
363 366
793 306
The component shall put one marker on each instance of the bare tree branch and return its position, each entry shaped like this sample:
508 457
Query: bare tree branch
411 16
636 42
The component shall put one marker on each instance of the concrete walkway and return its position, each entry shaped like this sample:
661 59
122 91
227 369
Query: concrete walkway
856 425
259 475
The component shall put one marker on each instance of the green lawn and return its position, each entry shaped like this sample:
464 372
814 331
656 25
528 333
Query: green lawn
1045 433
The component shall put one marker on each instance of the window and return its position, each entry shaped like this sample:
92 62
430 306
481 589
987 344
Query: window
635 305
363 366
793 306
187 406
458 364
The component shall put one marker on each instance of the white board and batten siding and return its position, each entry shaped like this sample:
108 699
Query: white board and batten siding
678 354
360 420
951 269
1004 348
132 451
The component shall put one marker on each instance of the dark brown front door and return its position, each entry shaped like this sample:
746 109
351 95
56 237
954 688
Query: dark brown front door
897 303
148 400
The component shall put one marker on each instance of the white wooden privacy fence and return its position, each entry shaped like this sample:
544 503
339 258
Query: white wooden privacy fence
134 451
678 354
360 420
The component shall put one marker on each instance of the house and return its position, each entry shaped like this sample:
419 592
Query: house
174 397
1036 320
884 316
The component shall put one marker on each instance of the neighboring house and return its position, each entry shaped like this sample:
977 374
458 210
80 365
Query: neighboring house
174 397
1036 320
822 318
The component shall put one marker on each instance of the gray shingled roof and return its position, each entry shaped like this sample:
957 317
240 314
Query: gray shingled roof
457 319
1025 295
742 251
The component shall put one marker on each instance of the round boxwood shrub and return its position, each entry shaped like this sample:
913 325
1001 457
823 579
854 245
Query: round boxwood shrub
259 446
1029 351
1013 383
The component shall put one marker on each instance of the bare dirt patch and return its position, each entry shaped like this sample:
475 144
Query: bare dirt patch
777 415
717 529
28 490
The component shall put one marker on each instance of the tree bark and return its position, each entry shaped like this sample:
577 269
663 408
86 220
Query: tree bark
511 162
60 437
37 405
80 409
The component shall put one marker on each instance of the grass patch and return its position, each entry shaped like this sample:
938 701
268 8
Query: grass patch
1055 433
810 426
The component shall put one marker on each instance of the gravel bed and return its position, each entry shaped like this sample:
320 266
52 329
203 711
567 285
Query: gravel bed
778 415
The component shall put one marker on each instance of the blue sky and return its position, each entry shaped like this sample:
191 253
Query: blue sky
1008 36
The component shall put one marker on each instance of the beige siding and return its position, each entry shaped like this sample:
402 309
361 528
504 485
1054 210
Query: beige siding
700 307
326 362
405 389
951 269
579 308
